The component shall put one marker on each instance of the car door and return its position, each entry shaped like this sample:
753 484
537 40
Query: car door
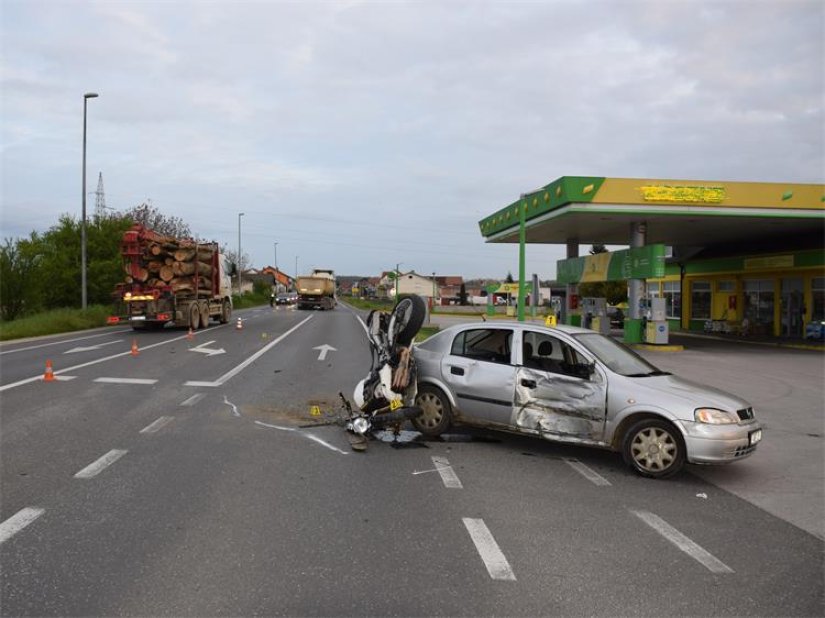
559 392
480 373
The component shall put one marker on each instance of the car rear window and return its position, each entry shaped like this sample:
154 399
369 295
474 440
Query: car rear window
485 344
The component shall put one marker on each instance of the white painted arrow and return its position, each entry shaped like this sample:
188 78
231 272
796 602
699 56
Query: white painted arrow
208 351
91 347
324 349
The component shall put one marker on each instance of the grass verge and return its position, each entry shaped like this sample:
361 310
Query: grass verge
55 321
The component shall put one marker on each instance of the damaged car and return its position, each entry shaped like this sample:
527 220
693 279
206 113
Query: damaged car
576 386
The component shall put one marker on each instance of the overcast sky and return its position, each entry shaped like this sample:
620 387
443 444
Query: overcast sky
360 135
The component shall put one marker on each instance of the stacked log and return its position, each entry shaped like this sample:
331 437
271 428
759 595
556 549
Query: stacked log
182 265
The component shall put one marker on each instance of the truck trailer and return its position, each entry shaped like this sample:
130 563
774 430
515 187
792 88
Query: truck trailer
171 280
317 290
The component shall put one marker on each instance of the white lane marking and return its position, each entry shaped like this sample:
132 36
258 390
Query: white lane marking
588 473
208 351
448 475
90 363
232 405
306 435
18 521
124 380
64 378
324 350
156 425
46 345
96 467
233 372
363 324
693 550
193 399
91 347
491 555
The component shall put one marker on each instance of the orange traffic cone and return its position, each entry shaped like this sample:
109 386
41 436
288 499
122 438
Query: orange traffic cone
49 375
239 325
191 334
135 350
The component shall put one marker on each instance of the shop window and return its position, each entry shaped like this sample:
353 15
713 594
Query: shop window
700 300
726 286
759 302
818 299
672 292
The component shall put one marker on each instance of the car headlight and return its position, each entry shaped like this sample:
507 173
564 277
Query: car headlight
712 416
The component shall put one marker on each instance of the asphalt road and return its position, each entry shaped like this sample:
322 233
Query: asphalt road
183 483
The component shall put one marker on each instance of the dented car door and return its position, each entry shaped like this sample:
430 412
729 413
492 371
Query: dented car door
559 393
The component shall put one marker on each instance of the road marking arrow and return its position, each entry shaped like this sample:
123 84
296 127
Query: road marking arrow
208 351
324 349
91 347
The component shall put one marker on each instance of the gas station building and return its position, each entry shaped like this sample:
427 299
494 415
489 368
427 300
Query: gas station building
744 257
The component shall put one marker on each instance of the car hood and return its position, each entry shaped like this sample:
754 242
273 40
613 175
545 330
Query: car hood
668 390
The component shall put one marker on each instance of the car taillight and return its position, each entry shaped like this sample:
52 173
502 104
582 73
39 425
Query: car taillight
112 319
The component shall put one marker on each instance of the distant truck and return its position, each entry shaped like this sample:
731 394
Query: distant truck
171 280
317 290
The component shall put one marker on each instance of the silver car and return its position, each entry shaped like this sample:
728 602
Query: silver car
577 386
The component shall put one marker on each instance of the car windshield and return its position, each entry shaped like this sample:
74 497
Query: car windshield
617 357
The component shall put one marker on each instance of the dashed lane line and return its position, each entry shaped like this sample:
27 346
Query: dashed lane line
588 473
157 425
96 467
18 521
193 399
448 475
491 555
711 562
125 380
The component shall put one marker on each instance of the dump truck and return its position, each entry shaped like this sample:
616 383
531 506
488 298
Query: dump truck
171 280
317 290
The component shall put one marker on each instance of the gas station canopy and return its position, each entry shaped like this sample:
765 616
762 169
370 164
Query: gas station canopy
597 210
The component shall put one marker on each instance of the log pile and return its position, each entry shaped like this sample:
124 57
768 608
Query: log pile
182 265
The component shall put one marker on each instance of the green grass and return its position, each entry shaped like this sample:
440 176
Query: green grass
368 304
426 332
55 321
249 300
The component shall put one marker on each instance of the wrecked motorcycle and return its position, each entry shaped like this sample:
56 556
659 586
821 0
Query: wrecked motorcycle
385 398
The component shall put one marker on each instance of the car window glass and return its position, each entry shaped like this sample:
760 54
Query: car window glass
615 356
485 344
548 353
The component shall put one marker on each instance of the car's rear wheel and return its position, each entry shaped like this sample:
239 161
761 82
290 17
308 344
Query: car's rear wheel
436 414
654 448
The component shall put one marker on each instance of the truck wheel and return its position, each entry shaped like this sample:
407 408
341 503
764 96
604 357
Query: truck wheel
226 312
406 320
203 307
194 316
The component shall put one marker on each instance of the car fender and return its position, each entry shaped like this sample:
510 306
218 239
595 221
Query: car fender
443 387
617 423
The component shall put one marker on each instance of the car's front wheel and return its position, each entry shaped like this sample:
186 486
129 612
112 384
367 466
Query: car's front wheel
654 448
436 411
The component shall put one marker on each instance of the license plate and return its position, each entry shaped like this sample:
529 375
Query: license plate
138 317
754 437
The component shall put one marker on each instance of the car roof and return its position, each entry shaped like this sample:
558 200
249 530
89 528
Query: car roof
570 330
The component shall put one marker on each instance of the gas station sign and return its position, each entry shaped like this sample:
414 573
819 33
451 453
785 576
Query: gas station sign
646 262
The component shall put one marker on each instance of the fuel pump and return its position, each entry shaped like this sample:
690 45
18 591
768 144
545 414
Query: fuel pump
594 315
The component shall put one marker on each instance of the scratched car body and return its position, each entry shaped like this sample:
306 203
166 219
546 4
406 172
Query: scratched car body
577 386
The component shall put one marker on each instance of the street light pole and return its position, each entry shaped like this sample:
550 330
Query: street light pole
275 245
296 272
397 280
240 261
83 296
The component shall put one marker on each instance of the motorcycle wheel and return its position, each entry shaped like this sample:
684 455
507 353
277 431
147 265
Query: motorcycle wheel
395 416
406 320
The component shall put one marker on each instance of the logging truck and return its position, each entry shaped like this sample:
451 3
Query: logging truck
171 280
317 290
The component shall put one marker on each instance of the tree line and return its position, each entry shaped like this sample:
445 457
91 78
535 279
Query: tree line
43 271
